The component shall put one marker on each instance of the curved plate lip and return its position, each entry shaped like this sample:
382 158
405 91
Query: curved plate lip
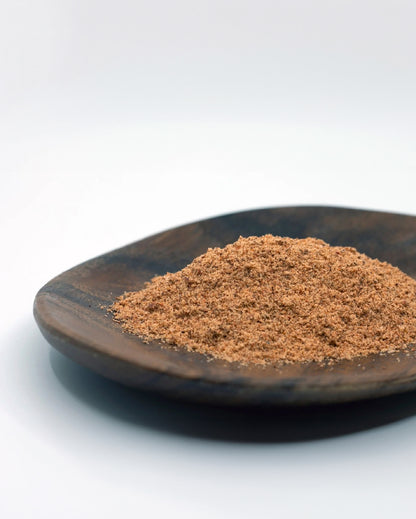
250 390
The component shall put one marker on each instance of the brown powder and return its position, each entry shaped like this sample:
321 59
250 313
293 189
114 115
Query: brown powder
271 300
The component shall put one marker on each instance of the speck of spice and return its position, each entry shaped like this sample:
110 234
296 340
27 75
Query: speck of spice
270 300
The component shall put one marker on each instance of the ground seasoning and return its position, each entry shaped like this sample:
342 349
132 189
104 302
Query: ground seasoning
271 300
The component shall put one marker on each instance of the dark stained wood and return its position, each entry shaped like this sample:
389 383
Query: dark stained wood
69 312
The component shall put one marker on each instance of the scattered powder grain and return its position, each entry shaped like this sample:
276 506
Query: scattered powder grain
272 300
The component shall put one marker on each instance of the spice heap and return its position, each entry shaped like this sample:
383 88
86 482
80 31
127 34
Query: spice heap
272 300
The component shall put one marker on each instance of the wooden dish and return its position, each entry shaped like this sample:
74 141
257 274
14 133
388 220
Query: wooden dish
71 313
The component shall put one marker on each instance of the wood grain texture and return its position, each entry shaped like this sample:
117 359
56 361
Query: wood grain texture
69 311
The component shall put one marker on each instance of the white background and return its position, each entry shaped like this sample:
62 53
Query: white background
120 119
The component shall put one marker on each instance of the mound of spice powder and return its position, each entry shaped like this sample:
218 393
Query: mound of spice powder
272 300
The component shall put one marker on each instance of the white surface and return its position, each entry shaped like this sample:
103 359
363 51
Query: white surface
118 120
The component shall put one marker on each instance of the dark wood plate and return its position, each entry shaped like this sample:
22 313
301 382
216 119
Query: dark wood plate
71 312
